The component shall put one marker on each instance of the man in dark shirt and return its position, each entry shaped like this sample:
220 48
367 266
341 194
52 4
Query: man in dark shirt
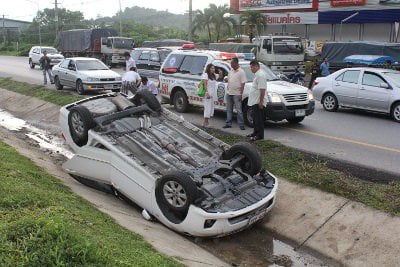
46 67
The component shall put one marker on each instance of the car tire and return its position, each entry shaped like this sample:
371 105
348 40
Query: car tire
395 112
330 102
79 87
296 119
57 83
146 97
248 115
80 121
31 65
175 192
251 163
181 102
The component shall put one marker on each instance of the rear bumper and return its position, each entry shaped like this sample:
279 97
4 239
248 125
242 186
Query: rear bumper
278 111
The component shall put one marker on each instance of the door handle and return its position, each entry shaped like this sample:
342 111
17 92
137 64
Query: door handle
337 84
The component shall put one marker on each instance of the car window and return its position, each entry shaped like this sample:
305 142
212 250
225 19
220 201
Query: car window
135 54
154 56
174 61
90 65
193 65
145 55
394 77
71 65
340 77
351 76
372 79
64 64
163 54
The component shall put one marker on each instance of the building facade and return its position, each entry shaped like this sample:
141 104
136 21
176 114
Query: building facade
329 20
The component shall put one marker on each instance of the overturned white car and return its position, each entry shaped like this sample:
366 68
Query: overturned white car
184 177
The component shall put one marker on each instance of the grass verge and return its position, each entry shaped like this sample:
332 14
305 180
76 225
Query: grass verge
42 223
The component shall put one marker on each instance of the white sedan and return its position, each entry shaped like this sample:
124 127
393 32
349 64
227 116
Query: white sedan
362 88
85 74
180 175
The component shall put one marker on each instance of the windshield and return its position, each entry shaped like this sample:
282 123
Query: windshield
90 65
250 76
123 43
49 50
394 77
163 54
288 46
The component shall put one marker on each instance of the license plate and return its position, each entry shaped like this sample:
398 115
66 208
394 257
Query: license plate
257 217
300 112
108 86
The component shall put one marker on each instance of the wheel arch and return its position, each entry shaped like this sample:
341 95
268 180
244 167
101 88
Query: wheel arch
173 92
393 104
325 93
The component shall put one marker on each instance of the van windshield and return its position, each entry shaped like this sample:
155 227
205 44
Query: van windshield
288 46
123 43
250 75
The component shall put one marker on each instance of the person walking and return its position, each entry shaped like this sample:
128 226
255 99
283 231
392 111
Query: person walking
210 83
149 85
325 67
257 100
389 65
46 67
314 73
236 82
129 61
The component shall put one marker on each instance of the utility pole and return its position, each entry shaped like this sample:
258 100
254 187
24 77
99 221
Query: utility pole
4 31
190 20
56 17
120 19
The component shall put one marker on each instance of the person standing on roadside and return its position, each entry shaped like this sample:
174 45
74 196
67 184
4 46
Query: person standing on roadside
129 61
256 100
325 67
46 67
314 73
210 84
236 82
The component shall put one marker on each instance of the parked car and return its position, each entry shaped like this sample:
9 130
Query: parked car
182 176
36 53
149 60
362 88
181 73
85 74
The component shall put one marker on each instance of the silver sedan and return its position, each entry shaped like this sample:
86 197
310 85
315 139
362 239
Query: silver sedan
85 74
362 88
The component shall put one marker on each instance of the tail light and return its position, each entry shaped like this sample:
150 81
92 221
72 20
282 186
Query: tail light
63 137
315 83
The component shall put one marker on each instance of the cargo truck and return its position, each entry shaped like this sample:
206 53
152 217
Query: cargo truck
103 44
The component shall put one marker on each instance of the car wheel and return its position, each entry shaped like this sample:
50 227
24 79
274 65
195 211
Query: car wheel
79 87
146 97
330 103
181 102
251 161
295 120
80 121
248 115
175 192
57 83
31 65
396 112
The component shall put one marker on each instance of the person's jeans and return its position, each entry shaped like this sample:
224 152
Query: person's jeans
230 100
48 71
258 120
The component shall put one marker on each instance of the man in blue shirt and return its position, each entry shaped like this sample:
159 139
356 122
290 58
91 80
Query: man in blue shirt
325 67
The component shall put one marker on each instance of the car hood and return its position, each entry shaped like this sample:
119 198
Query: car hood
284 87
99 73
55 56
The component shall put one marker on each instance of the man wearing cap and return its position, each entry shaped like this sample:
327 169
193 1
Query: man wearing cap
46 67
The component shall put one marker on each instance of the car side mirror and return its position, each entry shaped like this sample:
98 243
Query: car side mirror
71 68
385 85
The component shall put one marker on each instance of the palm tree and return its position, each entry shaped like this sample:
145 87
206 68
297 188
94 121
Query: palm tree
219 20
253 18
202 21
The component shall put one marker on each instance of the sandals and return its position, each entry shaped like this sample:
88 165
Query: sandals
250 135
255 138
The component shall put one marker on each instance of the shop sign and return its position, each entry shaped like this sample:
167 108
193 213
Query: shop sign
269 5
347 2
292 18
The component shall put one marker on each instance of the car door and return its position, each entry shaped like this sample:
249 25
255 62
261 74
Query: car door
71 74
346 87
36 55
373 93
62 71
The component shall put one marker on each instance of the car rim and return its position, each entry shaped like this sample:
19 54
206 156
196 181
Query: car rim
175 194
179 102
396 113
79 88
329 102
77 123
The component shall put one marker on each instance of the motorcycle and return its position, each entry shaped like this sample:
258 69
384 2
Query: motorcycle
298 77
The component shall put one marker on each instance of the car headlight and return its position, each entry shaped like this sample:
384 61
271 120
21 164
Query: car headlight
91 79
274 98
310 95
118 78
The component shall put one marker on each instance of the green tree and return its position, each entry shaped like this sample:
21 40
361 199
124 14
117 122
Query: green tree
219 20
202 21
253 19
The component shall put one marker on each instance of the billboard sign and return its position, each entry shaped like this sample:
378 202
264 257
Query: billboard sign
347 3
274 5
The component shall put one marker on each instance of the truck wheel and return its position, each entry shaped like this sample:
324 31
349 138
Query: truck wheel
57 83
175 192
181 102
146 97
248 115
31 65
79 87
251 162
330 102
395 112
80 121
295 120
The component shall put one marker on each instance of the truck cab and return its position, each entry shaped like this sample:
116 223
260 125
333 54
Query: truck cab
113 49
282 53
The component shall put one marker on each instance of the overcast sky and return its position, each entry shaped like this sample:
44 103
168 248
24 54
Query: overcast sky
26 9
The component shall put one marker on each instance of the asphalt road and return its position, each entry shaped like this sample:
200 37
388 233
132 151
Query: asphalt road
364 138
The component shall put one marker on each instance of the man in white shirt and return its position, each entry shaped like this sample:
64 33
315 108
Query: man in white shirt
257 100
130 62
149 85
130 82
236 82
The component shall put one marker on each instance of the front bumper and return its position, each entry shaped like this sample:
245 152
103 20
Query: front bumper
102 86
279 111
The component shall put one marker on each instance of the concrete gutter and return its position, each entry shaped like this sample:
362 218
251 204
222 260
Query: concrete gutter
345 231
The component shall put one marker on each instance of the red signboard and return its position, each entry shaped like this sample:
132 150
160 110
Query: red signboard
348 2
